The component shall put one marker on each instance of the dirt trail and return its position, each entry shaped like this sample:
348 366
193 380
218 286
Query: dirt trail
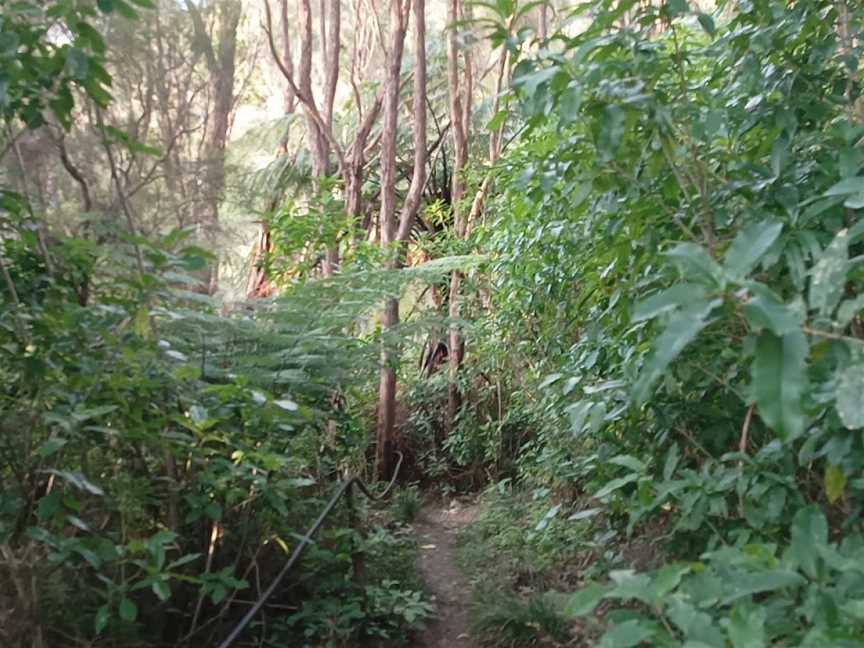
438 527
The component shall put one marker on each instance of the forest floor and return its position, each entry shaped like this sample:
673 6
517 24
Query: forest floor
438 527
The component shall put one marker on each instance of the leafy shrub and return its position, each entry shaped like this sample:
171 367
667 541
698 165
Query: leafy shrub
676 232
807 593
504 619
407 502
339 607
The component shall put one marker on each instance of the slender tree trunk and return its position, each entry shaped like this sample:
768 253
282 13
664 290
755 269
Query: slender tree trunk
390 233
289 97
458 101
390 312
331 79
315 136
495 139
542 27
457 116
221 56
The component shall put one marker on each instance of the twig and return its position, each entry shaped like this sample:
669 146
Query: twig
745 430
121 196
10 286
211 550
40 235
831 336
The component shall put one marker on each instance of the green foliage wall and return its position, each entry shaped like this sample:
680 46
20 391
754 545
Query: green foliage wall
676 256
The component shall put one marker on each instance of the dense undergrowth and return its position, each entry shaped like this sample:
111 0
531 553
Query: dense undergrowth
676 259
160 454
158 461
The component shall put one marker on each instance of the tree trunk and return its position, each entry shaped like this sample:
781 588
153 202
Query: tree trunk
542 27
221 58
459 114
385 440
289 98
389 231
390 312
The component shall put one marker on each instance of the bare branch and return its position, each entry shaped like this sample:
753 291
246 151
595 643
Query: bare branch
305 98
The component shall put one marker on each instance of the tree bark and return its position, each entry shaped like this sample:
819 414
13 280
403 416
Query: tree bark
221 58
457 116
459 102
387 222
390 233
289 97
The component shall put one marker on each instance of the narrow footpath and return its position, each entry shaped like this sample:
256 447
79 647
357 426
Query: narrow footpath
438 528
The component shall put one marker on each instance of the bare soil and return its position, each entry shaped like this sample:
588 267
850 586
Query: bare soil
438 528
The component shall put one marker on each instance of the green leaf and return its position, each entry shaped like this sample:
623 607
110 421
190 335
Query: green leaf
697 263
128 610
779 381
218 594
101 619
497 120
682 329
615 484
854 608
89 413
161 589
75 521
767 312
675 7
183 560
548 380
569 103
707 23
855 201
847 187
668 577
628 461
50 505
849 395
547 517
585 600
746 626
750 245
695 625
50 447
848 310
584 514
286 404
531 81
671 463
77 63
666 300
579 413
746 584
630 585
78 481
125 9
828 276
627 634
611 132
835 483
214 511
809 534
9 43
